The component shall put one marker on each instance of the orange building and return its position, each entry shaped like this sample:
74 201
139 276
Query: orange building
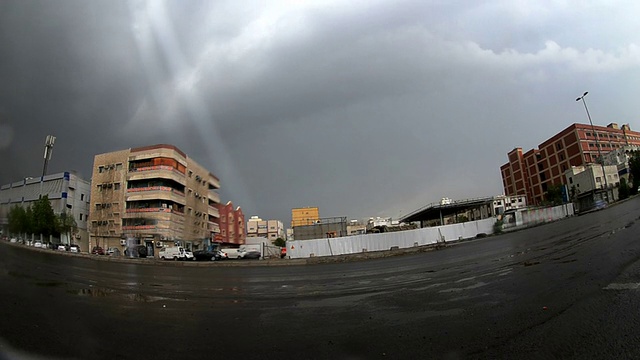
304 216
532 172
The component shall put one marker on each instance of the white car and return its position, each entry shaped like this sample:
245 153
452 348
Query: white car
62 248
188 255
14 240
37 244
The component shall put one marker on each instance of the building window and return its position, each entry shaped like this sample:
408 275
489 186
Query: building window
570 180
81 197
80 217
119 166
100 169
98 206
116 186
190 173
598 179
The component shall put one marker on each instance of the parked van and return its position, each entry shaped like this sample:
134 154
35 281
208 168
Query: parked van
234 253
172 253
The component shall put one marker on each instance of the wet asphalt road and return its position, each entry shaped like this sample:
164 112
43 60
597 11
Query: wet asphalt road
570 289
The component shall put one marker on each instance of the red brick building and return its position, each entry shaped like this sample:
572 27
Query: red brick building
532 172
232 225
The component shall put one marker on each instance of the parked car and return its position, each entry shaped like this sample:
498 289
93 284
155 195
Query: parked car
137 251
172 253
253 254
206 255
600 204
14 240
233 253
74 248
97 250
112 251
62 247
37 244
188 255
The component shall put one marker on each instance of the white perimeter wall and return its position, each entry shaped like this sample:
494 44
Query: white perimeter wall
418 237
384 241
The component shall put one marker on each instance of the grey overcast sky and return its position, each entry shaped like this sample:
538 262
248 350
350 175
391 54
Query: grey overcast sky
362 108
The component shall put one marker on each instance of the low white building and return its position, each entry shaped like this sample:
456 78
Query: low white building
586 184
66 192
502 203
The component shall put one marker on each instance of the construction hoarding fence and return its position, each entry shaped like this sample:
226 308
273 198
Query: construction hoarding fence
421 237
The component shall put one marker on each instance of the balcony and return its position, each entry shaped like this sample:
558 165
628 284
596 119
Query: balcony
213 212
155 193
139 227
213 227
155 210
157 171
214 196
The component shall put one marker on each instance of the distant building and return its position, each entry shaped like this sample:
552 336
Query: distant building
270 229
620 158
356 227
531 173
586 184
503 203
322 228
304 216
232 225
155 196
66 192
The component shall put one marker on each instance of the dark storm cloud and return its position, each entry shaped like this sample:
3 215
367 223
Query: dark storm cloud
361 108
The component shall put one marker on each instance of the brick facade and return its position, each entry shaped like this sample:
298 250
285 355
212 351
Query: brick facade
532 172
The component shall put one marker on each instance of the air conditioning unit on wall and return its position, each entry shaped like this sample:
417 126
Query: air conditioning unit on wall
123 242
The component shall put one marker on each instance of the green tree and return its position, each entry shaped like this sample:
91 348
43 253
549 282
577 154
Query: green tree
44 220
28 221
554 194
634 170
17 220
66 224
280 242
623 190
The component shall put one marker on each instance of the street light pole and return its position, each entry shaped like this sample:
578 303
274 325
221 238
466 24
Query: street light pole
601 159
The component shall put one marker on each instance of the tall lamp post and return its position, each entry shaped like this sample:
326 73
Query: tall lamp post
600 160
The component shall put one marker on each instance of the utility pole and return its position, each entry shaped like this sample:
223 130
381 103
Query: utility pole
600 159
48 149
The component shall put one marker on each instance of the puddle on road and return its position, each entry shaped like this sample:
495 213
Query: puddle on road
102 292
622 286
92 292
470 287
338 301
147 298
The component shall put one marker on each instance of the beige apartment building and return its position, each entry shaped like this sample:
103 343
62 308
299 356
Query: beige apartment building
156 196
270 229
